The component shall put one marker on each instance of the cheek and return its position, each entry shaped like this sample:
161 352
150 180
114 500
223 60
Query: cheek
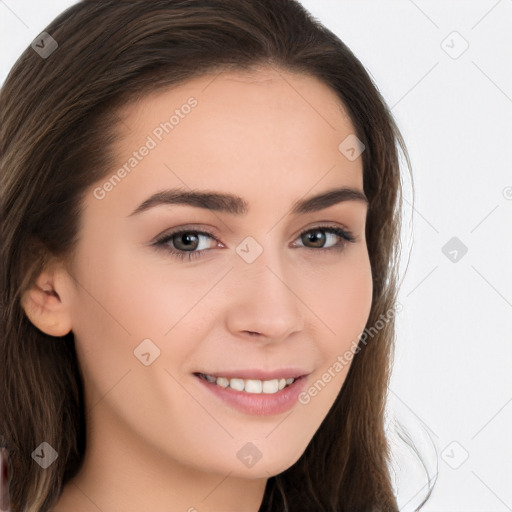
123 300
137 294
342 306
342 300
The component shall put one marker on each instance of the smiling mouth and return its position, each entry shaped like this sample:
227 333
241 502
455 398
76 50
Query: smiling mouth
253 386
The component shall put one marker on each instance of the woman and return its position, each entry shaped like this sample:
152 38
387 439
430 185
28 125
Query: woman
200 220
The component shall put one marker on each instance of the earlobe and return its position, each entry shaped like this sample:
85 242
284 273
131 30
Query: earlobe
45 307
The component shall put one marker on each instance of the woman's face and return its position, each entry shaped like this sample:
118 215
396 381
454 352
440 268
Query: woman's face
266 295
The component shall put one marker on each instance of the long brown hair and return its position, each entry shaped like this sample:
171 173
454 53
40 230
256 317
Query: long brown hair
58 126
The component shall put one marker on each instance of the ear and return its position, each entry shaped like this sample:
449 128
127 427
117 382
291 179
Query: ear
47 302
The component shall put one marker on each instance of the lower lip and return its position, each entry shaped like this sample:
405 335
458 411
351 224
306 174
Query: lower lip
259 404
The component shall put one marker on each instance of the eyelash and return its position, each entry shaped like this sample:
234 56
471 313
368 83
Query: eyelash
344 234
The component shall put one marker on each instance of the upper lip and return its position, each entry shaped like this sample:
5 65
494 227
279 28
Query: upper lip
258 374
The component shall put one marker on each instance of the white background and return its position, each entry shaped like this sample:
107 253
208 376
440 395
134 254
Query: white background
451 385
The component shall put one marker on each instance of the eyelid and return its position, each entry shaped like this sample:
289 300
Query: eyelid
194 228
198 228
329 226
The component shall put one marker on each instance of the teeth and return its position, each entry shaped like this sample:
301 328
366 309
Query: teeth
253 386
237 384
222 382
250 385
270 386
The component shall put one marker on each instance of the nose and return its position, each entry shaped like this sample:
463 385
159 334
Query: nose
264 305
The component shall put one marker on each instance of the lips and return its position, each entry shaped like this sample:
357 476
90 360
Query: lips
255 392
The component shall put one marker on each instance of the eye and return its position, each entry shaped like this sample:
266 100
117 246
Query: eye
186 243
320 235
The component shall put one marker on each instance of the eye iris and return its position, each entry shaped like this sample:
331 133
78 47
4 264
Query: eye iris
189 237
316 237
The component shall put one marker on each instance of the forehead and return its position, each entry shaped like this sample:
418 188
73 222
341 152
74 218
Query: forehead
260 82
249 133
257 102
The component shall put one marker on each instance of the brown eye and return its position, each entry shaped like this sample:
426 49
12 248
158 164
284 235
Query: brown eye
185 241
317 237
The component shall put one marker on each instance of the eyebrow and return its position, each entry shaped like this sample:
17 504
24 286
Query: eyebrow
235 205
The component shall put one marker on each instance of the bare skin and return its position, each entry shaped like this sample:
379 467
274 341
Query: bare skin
157 438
